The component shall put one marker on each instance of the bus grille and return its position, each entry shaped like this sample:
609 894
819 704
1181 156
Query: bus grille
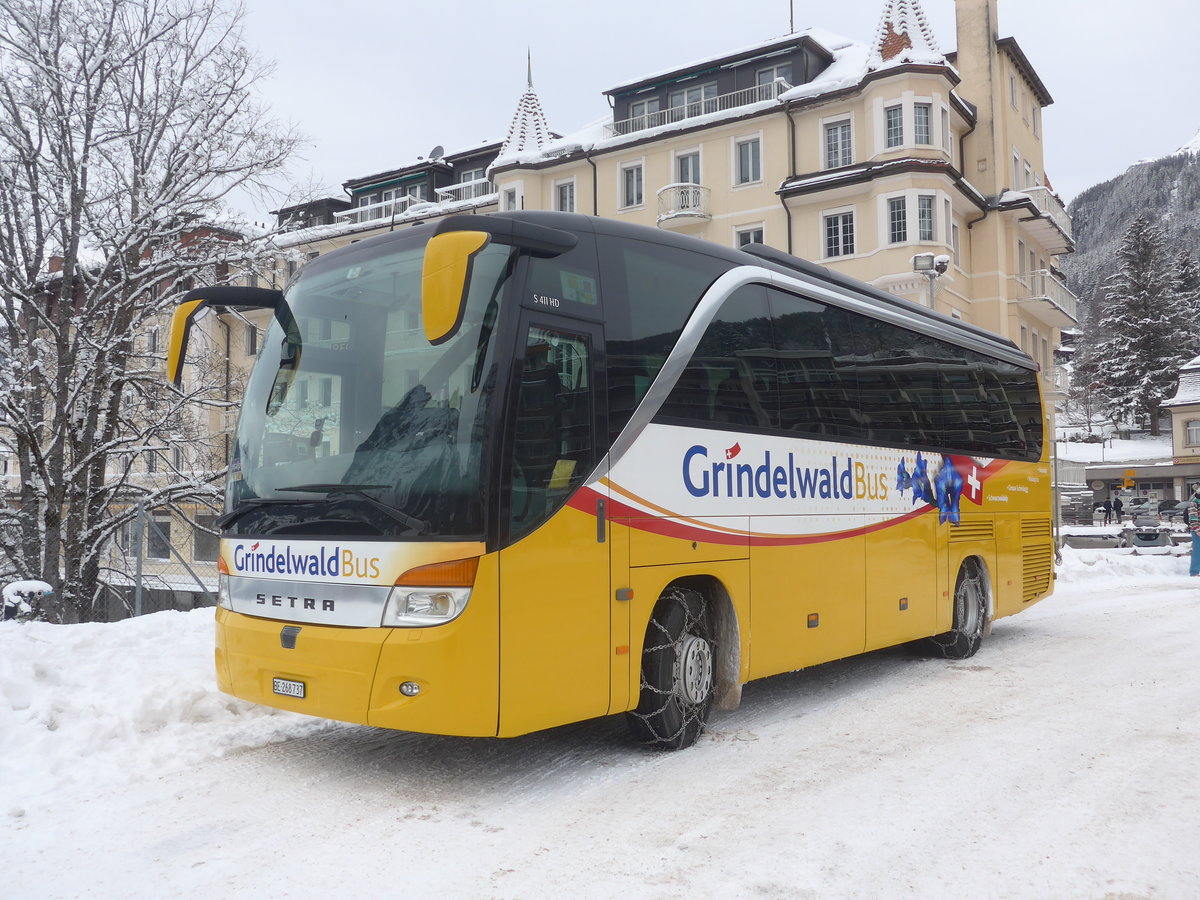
972 530
1032 529
1035 571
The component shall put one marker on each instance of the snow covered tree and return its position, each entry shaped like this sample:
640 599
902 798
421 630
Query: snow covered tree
1146 331
1185 275
124 124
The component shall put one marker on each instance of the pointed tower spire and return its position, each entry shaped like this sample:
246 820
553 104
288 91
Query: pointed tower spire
528 131
903 35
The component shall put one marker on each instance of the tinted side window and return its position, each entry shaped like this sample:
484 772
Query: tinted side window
730 379
567 284
816 368
649 293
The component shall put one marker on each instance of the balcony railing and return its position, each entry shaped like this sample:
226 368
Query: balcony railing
683 200
383 210
757 94
1041 285
1051 206
466 190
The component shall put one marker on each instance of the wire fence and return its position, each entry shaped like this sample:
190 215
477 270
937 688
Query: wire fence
163 560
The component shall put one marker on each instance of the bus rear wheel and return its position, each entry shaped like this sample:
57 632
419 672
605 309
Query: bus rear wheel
677 672
970 615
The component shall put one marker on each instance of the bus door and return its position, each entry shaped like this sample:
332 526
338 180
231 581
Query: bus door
555 596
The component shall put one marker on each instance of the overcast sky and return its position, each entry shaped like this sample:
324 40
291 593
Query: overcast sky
376 83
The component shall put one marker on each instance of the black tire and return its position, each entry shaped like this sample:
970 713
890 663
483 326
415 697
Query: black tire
970 615
677 673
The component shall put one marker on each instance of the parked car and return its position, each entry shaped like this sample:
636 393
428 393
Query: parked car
1140 507
1173 510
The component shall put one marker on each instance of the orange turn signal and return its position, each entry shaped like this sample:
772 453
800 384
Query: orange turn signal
456 573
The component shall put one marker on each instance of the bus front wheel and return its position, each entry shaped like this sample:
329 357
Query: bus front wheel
677 672
970 615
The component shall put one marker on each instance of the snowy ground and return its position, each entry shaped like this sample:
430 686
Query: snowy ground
1115 451
1061 761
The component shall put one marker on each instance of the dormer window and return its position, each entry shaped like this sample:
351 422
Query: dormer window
694 100
771 73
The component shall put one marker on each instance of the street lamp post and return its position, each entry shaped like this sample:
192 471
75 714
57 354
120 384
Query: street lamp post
931 267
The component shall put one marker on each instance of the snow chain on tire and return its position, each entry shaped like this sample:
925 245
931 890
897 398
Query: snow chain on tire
970 615
677 672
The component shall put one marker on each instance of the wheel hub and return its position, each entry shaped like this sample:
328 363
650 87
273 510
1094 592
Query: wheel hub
693 669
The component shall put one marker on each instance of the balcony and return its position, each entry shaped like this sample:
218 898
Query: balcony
722 102
1051 228
1053 302
466 190
681 204
383 210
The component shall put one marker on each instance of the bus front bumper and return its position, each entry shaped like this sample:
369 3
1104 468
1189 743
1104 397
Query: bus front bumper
355 674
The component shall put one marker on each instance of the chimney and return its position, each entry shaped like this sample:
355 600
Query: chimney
977 28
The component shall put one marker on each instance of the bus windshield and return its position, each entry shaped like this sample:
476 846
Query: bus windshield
351 421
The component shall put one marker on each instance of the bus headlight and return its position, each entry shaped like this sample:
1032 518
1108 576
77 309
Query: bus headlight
415 607
223 598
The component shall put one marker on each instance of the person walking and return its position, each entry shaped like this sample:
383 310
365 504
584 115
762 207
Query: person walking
1193 522
1117 506
1107 507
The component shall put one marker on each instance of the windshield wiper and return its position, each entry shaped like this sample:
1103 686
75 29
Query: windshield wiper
244 506
420 526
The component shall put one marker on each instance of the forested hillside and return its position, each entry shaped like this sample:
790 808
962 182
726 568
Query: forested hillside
1166 191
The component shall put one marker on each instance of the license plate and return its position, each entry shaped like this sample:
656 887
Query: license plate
288 688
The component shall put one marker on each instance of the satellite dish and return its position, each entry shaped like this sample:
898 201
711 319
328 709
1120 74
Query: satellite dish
437 152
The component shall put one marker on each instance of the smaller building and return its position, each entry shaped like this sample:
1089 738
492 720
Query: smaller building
1168 479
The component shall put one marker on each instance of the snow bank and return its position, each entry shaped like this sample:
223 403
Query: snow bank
104 704
84 707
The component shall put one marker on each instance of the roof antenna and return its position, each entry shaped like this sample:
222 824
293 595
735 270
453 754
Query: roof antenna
791 16
528 67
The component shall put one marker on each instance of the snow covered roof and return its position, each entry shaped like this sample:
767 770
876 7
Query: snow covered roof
528 133
1189 385
825 40
904 36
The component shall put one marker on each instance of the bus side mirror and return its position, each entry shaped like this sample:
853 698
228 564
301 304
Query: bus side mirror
445 277
201 298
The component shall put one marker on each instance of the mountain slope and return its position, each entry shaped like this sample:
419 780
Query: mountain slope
1165 190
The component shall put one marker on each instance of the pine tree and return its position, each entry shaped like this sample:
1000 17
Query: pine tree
1148 330
1185 275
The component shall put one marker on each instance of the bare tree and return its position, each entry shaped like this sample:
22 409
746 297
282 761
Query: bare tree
123 126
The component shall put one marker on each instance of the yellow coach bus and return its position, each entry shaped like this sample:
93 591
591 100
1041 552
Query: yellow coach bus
501 473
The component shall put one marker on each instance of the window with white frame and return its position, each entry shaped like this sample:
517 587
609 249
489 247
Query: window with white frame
750 235
694 100
839 149
251 339
476 174
158 536
926 226
770 73
687 167
419 192
1022 270
1016 171
510 199
839 233
748 153
640 109
1192 429
1028 175
152 340
564 196
1012 90
632 187
946 220
897 220
177 458
205 543
946 131
1024 338
893 123
1037 120
922 124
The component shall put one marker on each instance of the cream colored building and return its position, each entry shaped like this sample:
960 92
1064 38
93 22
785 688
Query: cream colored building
856 155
